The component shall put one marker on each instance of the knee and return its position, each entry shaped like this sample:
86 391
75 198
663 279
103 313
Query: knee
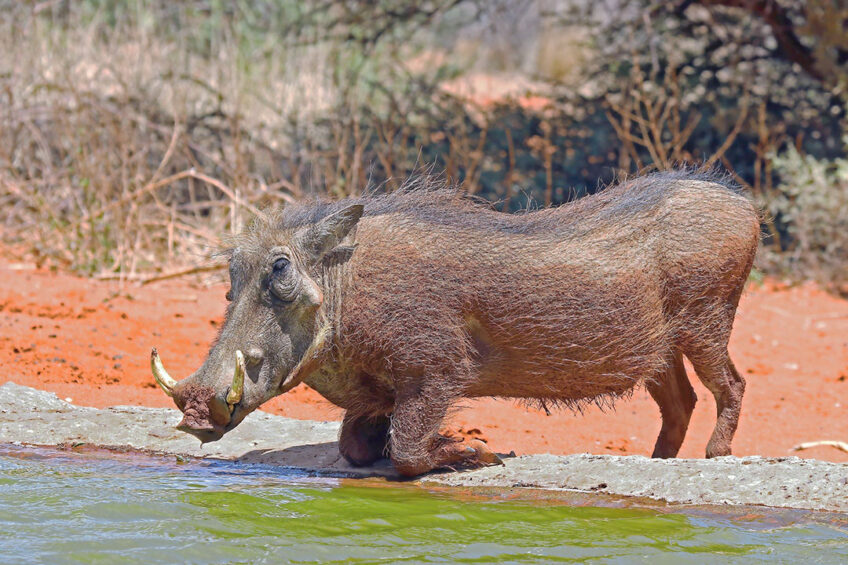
740 383
363 441
691 401
356 452
735 391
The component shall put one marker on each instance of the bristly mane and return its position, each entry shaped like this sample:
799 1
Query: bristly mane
428 198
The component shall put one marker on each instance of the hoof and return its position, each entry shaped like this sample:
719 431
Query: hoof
484 455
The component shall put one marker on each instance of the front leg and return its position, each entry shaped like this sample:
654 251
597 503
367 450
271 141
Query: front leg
364 439
417 447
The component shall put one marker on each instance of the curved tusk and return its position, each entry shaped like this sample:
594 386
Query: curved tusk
237 389
163 379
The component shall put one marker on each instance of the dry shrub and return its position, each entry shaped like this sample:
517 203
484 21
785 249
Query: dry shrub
655 116
811 203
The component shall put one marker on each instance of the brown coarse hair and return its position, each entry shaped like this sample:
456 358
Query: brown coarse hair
439 296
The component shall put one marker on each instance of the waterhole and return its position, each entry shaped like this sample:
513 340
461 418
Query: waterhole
99 507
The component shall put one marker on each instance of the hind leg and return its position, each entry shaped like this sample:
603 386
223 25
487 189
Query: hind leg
676 398
727 385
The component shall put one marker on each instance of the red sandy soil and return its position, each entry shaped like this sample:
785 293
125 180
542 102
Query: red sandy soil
89 341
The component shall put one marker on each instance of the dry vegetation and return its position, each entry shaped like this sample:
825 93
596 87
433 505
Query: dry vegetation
125 152
133 135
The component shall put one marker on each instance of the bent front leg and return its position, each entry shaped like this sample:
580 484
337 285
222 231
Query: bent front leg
416 446
363 439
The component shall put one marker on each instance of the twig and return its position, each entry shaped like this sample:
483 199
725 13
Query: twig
731 137
226 190
142 279
168 152
184 272
190 173
840 445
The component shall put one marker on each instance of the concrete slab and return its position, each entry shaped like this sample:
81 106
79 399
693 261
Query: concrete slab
30 416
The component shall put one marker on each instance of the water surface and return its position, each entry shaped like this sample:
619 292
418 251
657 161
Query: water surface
100 507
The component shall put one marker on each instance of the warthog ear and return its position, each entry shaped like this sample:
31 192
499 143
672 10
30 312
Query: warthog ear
323 236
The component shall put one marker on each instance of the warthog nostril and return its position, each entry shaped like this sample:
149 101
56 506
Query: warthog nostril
191 428
204 432
254 355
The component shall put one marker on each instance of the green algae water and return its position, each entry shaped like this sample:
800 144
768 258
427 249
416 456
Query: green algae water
66 507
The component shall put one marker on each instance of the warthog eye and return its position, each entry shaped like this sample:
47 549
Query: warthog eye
280 265
284 287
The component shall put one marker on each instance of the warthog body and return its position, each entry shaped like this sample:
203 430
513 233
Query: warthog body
393 306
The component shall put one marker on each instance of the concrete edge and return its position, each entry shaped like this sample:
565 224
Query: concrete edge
32 417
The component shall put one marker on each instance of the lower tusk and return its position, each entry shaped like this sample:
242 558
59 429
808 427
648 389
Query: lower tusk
163 379
237 389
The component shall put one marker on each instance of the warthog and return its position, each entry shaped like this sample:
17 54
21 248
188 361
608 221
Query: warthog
394 306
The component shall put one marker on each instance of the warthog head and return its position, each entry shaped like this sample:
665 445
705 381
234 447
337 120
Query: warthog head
274 326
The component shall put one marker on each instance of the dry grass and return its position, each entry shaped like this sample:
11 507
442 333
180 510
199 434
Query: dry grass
124 152
127 148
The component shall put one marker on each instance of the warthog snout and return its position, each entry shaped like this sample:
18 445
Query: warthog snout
205 432
207 415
